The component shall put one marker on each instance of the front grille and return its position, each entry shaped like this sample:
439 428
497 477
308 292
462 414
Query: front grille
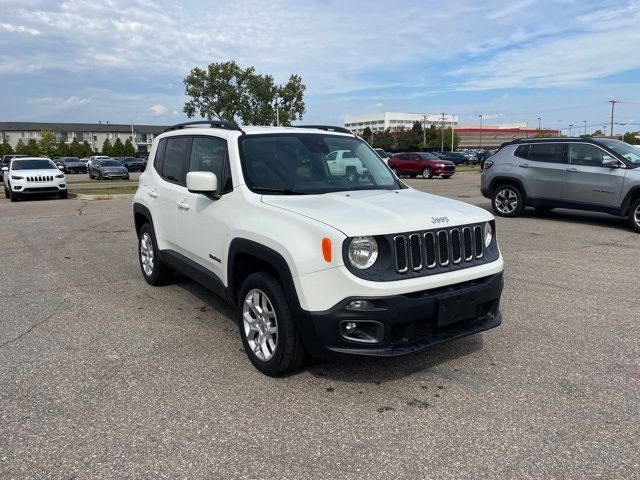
450 168
443 248
40 178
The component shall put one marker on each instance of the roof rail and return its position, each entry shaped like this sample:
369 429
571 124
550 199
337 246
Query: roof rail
328 128
211 123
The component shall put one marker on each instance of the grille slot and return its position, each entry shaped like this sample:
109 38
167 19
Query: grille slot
443 248
415 247
400 247
479 240
468 244
430 249
456 246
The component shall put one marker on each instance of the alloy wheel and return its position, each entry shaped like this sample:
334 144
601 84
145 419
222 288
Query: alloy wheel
146 254
260 324
636 215
506 201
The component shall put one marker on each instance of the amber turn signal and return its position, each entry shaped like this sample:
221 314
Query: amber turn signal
326 249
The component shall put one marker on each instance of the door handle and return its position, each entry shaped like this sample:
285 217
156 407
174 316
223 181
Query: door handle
152 194
183 205
571 170
524 165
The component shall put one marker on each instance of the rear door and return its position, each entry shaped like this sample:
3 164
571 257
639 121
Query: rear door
586 181
541 169
403 164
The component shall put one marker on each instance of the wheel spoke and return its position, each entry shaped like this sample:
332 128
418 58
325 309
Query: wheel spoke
260 324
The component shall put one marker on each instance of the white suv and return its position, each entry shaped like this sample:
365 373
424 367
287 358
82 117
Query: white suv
33 176
313 261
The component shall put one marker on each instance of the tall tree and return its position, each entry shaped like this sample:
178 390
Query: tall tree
106 147
86 150
384 140
229 92
47 146
62 149
129 151
32 147
21 148
117 150
367 135
75 149
5 147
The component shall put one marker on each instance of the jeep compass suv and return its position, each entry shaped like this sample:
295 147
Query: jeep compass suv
598 174
313 261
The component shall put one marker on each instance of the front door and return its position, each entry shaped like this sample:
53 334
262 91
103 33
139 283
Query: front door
541 172
586 181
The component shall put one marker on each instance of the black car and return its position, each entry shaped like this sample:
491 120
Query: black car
107 168
133 164
457 158
72 165
6 159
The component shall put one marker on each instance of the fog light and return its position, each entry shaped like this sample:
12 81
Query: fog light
350 327
360 305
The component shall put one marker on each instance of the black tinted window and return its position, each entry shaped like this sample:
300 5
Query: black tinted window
175 159
209 154
157 161
547 152
589 155
522 151
403 156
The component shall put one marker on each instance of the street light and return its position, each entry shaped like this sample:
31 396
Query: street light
585 127
571 129
480 131
539 123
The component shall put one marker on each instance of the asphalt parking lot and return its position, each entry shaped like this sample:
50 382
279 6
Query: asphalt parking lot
103 376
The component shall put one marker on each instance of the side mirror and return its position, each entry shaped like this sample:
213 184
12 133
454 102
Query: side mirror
60 167
202 182
610 163
5 169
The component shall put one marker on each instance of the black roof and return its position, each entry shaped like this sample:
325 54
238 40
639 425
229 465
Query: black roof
80 127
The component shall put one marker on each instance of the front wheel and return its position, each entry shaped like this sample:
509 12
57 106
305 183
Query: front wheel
426 173
266 326
634 215
63 195
507 201
446 177
154 270
6 193
13 196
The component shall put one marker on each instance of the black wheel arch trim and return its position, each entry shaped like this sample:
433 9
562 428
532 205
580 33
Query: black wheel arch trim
631 195
503 179
140 209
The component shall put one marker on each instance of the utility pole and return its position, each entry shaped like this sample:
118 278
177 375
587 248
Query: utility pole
442 135
571 129
585 126
613 104
452 135
481 116
539 123
424 131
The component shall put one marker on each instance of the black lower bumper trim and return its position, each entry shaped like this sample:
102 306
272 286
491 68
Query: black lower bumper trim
410 322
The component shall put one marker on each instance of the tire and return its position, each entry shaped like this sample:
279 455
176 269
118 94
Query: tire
155 272
14 196
100 176
543 209
447 177
507 201
284 354
6 193
427 173
352 174
63 195
634 214
413 175
90 176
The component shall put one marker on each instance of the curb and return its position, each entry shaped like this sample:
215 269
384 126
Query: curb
106 196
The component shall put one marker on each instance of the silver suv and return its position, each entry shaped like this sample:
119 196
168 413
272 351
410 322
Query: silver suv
597 174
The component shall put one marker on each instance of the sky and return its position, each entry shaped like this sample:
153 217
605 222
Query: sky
124 60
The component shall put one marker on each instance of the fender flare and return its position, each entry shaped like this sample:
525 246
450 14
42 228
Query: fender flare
501 179
139 209
626 203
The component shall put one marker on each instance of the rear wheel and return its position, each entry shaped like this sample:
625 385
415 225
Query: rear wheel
6 192
266 326
634 215
427 173
154 270
507 201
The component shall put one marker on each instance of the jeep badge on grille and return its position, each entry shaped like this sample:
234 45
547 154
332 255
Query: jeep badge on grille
439 219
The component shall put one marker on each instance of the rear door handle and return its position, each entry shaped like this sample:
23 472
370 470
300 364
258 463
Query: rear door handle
152 194
524 165
184 205
571 170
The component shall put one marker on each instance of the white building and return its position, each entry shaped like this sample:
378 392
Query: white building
397 120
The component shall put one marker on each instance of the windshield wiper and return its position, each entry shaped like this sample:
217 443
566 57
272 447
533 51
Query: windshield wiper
284 191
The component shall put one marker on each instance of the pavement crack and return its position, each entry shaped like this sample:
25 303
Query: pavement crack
81 209
34 326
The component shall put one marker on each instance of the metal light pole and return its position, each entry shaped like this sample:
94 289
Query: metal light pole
539 123
585 127
424 131
442 135
613 104
481 116
571 129
452 135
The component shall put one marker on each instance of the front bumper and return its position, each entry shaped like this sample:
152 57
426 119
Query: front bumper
76 169
405 322
38 188
444 171
115 175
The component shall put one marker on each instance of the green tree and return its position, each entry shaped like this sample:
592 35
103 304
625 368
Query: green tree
5 148
47 146
118 148
62 149
106 147
129 151
32 148
367 135
597 133
229 92
384 140
21 148
86 150
75 149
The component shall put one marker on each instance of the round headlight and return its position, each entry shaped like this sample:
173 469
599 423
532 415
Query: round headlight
363 252
488 234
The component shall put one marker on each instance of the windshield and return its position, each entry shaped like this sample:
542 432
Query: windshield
309 163
382 153
631 153
71 159
110 163
36 164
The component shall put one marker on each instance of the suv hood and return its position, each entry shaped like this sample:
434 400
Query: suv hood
113 169
48 172
380 212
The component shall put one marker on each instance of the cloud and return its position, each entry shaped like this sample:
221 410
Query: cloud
59 103
158 110
19 29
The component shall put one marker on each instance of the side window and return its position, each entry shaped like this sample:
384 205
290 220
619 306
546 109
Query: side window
522 151
157 161
332 156
403 156
209 154
175 159
584 154
547 152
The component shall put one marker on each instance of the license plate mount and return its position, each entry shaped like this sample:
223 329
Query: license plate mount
456 308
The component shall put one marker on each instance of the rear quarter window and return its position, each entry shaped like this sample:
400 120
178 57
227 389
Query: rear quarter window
522 151
157 161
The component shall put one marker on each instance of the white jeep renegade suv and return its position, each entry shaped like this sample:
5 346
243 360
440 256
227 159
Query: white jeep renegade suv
315 262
